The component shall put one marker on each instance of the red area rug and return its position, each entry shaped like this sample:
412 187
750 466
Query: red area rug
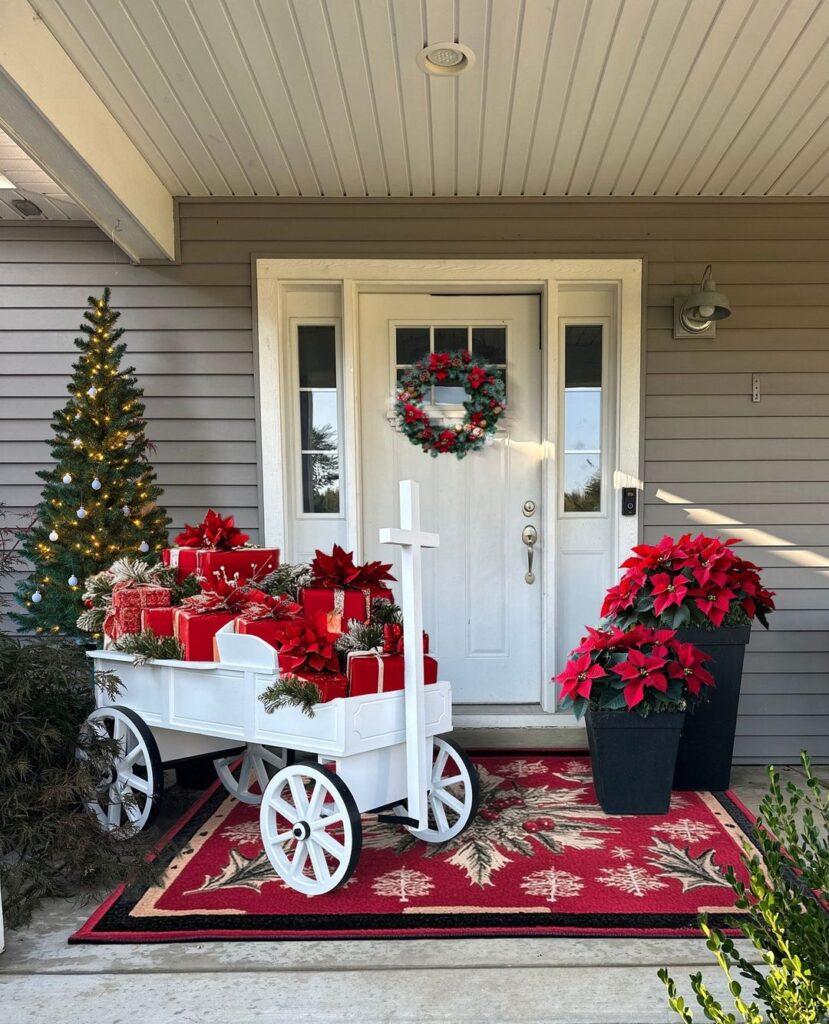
540 859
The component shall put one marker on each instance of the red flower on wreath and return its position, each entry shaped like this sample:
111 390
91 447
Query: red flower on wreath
439 363
476 377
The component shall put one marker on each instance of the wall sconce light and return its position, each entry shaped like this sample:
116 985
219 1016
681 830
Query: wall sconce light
696 315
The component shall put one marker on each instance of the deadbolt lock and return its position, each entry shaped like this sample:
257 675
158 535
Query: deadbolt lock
528 508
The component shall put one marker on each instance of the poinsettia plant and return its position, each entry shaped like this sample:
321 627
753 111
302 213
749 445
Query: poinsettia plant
640 670
694 581
305 645
338 570
215 532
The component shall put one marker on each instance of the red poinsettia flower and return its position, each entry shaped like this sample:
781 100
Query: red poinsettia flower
446 441
713 603
638 671
476 377
414 414
263 606
647 557
304 644
215 531
439 364
688 665
338 570
667 590
577 678
620 597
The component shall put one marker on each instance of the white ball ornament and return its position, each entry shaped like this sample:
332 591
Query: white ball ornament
143 547
67 478
81 513
92 392
125 509
37 597
73 580
53 536
96 484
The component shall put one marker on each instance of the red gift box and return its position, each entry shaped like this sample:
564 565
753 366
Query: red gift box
370 672
246 563
331 684
340 606
158 620
128 602
265 629
195 632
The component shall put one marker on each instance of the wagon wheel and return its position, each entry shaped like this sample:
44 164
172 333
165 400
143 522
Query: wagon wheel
453 793
238 776
130 793
310 828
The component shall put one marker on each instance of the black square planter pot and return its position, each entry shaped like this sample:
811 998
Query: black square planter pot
707 744
633 759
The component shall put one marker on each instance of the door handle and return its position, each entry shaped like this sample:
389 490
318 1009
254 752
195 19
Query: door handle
529 535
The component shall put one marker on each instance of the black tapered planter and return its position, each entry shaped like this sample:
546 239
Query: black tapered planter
633 759
707 744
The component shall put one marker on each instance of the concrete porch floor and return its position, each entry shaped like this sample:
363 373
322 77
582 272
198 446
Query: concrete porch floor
480 981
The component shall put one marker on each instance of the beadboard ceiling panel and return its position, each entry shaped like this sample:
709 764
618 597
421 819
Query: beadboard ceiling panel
34 184
566 97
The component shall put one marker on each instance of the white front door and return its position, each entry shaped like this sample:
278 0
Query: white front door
483 617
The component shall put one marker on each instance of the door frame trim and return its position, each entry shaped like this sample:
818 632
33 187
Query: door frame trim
350 277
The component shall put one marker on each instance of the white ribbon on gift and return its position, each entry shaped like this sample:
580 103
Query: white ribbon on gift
374 652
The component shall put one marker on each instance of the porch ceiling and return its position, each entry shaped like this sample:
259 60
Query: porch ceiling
34 184
567 97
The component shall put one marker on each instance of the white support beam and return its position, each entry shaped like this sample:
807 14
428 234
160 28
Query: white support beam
51 111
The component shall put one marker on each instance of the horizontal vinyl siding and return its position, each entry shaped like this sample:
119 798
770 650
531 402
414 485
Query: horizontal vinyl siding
713 460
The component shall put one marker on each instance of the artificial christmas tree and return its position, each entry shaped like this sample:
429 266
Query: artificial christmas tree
99 502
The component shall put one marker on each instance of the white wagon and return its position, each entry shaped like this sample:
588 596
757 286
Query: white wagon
384 752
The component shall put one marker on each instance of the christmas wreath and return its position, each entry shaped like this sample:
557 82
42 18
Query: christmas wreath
484 404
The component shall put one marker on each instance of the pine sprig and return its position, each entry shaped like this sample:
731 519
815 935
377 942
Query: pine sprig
287 579
385 613
146 646
291 692
360 636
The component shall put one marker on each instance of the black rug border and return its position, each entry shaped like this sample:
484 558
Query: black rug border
319 927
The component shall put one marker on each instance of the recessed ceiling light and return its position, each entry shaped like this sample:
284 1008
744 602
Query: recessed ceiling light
26 207
445 59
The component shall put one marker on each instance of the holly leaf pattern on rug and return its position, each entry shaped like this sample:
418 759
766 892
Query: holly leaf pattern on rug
513 818
248 872
690 871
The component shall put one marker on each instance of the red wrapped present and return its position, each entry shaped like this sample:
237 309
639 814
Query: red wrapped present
244 563
393 639
304 645
195 631
339 606
342 590
128 601
158 620
330 684
373 672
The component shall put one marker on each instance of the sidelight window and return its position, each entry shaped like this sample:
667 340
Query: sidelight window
319 433
583 417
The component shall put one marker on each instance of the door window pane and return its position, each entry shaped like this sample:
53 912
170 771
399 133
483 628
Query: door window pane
412 343
318 418
450 339
490 343
317 356
583 414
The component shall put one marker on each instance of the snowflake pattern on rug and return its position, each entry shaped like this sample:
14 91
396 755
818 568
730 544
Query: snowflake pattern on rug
685 830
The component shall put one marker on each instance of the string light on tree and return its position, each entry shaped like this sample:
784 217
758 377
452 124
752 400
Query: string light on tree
89 497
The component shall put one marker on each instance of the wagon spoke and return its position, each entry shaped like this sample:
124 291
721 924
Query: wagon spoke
299 858
134 782
261 771
299 795
439 813
453 781
439 765
448 799
132 810
285 809
318 862
114 809
315 803
330 845
130 758
326 821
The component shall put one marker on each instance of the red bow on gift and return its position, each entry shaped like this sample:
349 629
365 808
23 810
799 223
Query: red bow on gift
267 607
339 571
304 645
216 532
222 596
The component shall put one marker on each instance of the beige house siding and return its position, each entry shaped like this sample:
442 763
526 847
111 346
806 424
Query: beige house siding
712 457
